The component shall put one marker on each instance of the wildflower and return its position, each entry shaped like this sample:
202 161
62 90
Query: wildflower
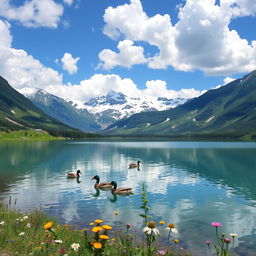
106 227
48 225
161 222
208 242
216 224
227 240
128 226
22 234
11 241
96 229
28 225
161 252
171 228
98 221
151 229
25 218
75 246
116 213
91 224
57 241
62 250
97 245
233 235
2 223
104 237
176 241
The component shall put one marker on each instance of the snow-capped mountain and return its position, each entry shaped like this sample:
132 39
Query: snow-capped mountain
99 112
61 109
115 106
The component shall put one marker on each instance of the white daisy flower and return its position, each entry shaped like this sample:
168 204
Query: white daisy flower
171 228
25 217
28 225
151 229
2 223
75 246
22 234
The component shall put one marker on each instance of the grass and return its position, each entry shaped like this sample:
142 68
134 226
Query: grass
27 135
38 235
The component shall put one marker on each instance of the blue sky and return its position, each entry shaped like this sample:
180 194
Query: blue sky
79 49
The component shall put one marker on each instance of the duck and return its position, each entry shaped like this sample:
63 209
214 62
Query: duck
120 191
135 165
74 174
102 185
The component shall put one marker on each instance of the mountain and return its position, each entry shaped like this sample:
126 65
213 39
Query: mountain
61 110
114 106
230 109
17 112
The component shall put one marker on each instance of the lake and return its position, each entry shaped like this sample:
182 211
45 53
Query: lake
190 184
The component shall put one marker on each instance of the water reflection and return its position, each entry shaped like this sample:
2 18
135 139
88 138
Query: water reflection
190 184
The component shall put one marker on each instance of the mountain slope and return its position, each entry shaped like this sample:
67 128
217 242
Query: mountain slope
114 106
17 112
229 109
61 110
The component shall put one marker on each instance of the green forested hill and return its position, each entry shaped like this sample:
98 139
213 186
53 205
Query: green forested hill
17 112
230 109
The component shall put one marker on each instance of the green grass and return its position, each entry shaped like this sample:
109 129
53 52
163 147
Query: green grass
27 135
25 235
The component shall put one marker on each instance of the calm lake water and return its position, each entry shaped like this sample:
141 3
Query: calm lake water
190 184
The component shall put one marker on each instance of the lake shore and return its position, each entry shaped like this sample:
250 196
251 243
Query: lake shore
37 234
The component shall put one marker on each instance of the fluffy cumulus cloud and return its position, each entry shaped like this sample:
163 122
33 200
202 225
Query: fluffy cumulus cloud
158 88
201 39
20 68
33 13
128 55
69 63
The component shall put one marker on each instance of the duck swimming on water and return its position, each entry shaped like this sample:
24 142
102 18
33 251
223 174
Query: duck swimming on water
74 174
120 191
135 165
102 185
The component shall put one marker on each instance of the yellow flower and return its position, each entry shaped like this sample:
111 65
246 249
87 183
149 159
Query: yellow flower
176 241
106 227
104 237
91 224
97 245
96 229
116 213
48 225
98 221
161 222
233 235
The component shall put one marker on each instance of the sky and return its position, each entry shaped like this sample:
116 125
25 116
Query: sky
78 49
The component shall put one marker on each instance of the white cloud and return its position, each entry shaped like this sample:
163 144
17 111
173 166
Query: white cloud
69 63
226 80
129 55
20 68
96 85
34 13
6 38
158 88
201 39
68 2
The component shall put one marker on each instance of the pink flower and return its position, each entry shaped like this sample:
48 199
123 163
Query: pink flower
216 224
208 242
227 240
